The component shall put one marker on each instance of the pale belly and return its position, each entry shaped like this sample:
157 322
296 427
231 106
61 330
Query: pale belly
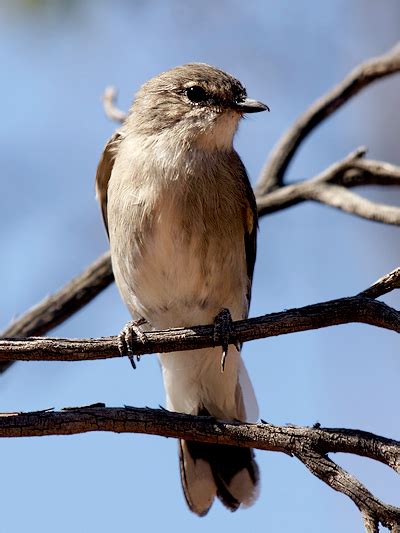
174 280
178 259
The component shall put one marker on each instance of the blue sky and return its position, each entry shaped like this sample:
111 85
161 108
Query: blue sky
56 58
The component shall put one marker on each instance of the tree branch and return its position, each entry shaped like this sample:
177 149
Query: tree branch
372 509
384 285
292 440
341 198
56 308
273 172
309 445
358 308
329 188
371 524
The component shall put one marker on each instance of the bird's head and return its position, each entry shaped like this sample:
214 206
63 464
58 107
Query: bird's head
195 103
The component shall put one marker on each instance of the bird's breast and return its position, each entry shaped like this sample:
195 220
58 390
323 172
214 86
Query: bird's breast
179 256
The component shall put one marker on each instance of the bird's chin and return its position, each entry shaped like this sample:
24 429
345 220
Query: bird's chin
219 132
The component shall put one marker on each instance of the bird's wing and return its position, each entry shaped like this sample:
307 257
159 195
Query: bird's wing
250 231
104 170
250 245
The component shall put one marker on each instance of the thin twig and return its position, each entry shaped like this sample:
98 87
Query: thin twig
363 75
109 106
385 284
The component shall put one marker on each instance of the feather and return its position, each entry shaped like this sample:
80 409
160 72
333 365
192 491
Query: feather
182 220
209 470
104 169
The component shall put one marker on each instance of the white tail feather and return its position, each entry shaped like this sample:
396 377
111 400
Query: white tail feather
249 397
243 488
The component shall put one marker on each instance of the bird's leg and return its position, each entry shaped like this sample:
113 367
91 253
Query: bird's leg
125 339
222 333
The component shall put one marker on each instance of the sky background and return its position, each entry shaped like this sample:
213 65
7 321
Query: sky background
56 58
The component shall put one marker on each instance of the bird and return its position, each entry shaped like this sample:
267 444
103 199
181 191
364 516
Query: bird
181 218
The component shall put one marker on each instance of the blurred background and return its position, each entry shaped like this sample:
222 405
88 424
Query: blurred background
57 57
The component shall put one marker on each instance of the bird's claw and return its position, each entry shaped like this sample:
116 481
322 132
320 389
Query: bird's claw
222 333
131 331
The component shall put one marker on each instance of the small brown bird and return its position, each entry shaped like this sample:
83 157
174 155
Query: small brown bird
181 218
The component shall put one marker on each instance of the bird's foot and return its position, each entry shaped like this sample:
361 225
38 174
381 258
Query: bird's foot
131 330
222 333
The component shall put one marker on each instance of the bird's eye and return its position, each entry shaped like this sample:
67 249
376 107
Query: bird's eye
196 94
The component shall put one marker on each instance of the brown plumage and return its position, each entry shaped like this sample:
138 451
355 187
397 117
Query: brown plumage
182 221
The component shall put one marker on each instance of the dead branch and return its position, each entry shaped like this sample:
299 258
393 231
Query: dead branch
384 285
309 444
358 308
341 198
332 313
372 509
292 440
330 188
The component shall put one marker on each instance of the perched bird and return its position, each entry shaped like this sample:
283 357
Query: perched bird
181 218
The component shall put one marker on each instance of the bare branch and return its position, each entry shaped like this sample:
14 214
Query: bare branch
329 188
341 198
384 285
371 524
292 440
342 311
372 509
56 308
272 174
309 445
110 109
368 172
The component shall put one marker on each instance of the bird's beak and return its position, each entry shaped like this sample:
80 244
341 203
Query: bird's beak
251 106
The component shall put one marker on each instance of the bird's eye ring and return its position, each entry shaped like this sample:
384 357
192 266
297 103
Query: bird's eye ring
196 94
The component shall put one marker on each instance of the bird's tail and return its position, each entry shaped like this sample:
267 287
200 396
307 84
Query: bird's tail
209 470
